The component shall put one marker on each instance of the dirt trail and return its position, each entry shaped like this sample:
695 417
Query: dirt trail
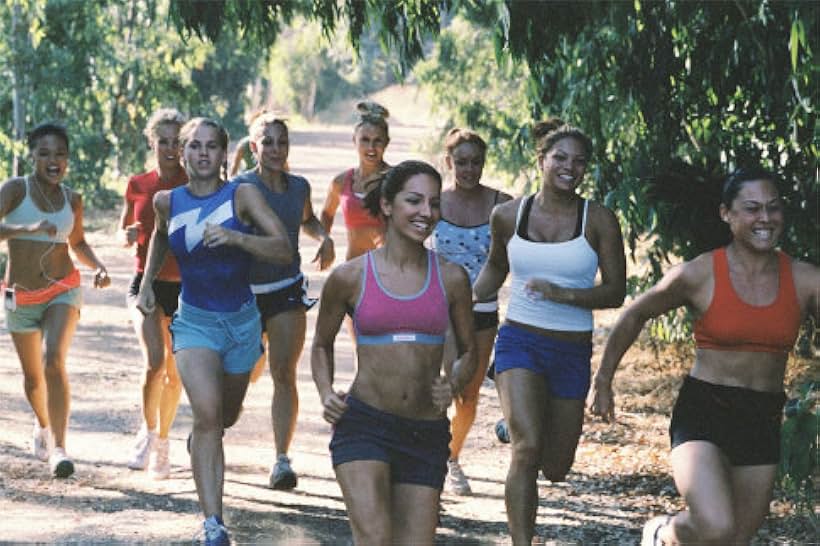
620 478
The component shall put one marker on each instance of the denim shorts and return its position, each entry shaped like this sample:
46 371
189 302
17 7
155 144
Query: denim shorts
29 318
235 335
743 423
166 294
563 364
416 450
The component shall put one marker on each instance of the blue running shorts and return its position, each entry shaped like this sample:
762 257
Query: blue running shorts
563 364
235 335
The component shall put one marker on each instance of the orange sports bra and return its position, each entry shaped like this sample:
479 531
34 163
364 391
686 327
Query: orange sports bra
730 324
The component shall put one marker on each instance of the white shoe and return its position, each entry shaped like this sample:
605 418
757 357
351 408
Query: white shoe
61 465
142 449
159 466
456 482
41 441
652 529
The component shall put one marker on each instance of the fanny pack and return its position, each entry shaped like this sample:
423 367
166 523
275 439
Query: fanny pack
44 295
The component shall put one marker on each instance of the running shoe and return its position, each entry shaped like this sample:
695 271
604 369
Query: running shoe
456 480
652 530
142 449
282 476
214 532
159 465
502 432
61 465
40 441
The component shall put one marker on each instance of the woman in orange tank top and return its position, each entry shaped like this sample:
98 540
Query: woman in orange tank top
749 300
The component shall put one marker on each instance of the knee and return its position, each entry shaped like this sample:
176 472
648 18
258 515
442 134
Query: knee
468 402
717 527
54 358
555 473
283 375
32 382
368 533
526 451
208 420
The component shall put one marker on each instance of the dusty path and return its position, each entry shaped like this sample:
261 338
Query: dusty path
619 480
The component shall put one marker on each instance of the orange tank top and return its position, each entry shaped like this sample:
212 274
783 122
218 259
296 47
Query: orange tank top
730 324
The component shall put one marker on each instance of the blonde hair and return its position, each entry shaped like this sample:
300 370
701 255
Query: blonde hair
162 116
264 118
456 137
551 130
372 113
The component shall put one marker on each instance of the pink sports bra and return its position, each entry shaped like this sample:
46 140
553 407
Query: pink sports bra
382 318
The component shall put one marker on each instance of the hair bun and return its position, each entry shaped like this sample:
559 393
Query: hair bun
370 109
547 126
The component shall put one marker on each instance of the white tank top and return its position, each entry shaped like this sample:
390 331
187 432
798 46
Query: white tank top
569 264
28 213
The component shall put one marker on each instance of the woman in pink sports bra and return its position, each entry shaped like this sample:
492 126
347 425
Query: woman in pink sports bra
749 300
41 219
390 439
371 137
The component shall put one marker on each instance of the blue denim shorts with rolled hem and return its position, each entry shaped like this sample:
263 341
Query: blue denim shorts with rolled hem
416 450
234 335
29 318
564 365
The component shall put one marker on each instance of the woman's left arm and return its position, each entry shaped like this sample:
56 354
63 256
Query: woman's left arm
78 244
271 245
459 294
311 225
807 285
608 243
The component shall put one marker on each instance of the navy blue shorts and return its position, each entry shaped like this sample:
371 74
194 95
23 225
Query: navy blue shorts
416 450
743 423
484 320
293 296
166 294
563 364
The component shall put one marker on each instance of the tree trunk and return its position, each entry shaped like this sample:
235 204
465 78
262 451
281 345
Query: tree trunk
19 44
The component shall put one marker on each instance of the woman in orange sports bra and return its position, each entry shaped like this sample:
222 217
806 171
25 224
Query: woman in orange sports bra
749 300
41 219
364 231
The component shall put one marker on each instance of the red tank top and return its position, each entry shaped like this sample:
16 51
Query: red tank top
730 324
140 194
353 211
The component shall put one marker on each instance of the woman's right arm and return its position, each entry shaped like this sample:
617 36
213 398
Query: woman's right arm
129 229
332 202
332 308
492 275
674 290
157 249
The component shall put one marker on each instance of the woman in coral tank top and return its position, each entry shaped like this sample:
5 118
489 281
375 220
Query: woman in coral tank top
364 231
749 300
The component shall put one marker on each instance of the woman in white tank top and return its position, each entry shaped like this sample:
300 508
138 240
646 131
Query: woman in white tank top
553 244
40 218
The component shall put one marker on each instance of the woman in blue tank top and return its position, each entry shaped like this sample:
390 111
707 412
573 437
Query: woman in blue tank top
214 230
553 244
41 219
463 237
